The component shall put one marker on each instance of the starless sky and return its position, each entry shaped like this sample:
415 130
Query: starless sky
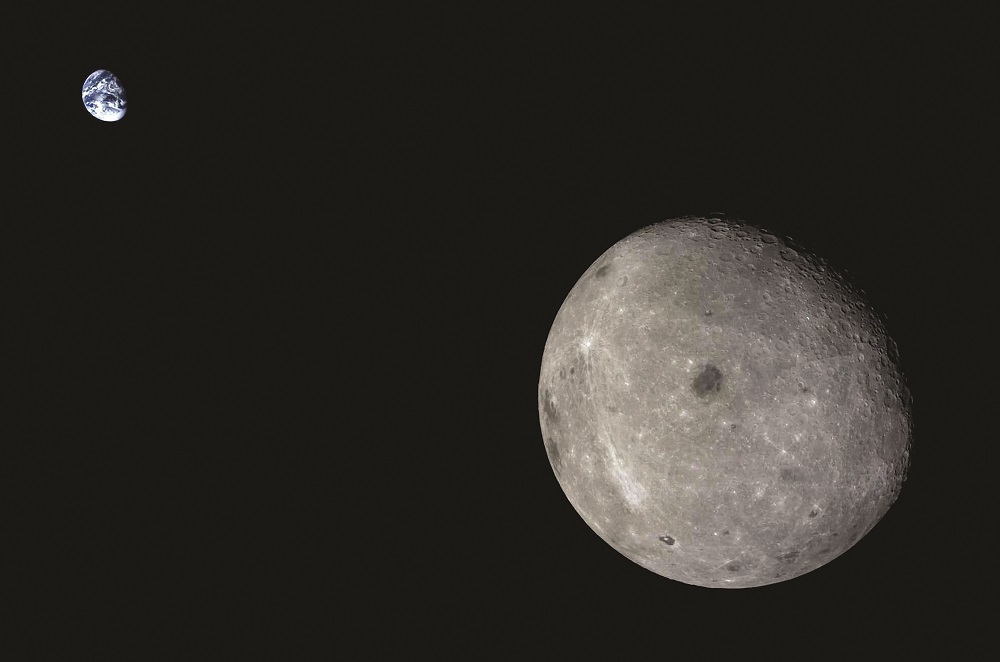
275 336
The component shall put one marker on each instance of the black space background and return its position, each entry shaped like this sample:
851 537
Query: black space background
272 341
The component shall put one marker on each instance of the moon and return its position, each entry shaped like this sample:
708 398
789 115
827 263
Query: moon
722 408
104 96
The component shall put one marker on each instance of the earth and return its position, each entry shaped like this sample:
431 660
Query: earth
104 96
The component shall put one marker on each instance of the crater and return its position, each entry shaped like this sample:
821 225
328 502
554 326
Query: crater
553 451
549 407
708 381
813 513
788 557
667 539
734 566
602 272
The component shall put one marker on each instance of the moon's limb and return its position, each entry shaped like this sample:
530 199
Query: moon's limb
707 384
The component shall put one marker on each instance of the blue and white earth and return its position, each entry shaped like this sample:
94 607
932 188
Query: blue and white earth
104 96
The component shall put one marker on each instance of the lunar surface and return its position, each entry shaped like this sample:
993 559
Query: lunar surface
104 96
720 407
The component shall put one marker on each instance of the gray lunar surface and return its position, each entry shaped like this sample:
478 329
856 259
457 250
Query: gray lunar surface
720 407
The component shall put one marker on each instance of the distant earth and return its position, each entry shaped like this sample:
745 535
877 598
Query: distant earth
104 96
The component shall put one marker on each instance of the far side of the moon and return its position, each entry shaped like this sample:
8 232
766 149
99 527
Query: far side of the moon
720 407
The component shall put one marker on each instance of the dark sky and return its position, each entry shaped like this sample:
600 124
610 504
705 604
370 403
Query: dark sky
274 338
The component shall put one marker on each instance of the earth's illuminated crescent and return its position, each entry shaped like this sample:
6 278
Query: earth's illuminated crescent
721 407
